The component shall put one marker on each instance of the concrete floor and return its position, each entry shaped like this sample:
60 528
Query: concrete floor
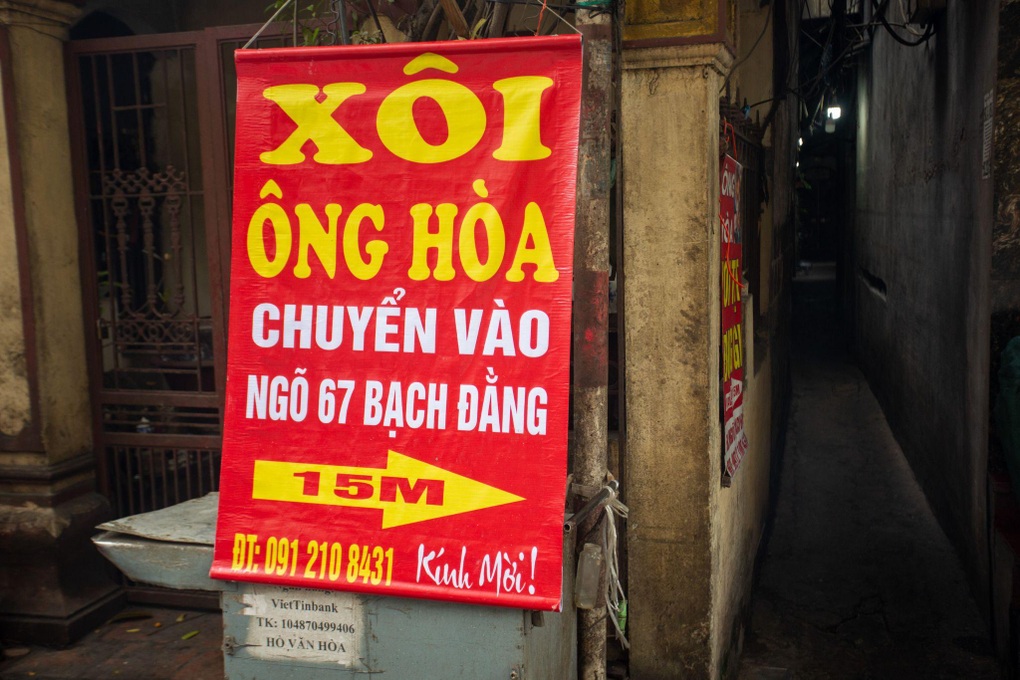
859 581
140 643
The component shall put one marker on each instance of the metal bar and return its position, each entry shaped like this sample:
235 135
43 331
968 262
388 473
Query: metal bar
187 475
139 107
158 398
214 478
152 477
113 458
114 140
591 307
375 17
164 476
198 473
133 43
345 38
198 441
143 159
497 23
185 132
216 218
136 473
177 480
621 292
189 192
239 33
87 250
607 493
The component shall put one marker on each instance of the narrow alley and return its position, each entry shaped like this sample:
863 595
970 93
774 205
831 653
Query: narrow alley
859 581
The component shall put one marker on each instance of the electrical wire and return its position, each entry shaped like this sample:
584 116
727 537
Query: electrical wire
808 90
266 25
910 29
616 599
880 13
541 15
375 17
764 28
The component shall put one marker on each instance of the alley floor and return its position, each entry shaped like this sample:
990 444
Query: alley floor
139 643
859 581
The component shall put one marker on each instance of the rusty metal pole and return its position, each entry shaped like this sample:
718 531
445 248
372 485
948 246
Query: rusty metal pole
591 308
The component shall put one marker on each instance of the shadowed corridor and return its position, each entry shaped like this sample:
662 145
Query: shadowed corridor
859 581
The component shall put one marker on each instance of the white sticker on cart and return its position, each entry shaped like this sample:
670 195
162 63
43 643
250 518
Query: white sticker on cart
303 625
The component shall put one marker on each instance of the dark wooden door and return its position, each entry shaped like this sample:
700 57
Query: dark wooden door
152 124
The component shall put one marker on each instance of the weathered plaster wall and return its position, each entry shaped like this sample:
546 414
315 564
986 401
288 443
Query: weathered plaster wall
1006 236
923 232
15 408
671 269
737 526
54 586
53 243
740 511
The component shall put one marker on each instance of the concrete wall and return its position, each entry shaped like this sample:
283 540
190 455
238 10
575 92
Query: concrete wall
923 228
15 406
671 308
740 511
52 246
692 542
1005 287
53 584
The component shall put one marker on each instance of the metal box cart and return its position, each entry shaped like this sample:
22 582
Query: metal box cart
276 633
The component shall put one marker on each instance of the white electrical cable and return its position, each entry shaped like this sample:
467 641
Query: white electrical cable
614 591
906 20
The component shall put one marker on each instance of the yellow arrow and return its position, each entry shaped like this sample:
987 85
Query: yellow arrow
407 490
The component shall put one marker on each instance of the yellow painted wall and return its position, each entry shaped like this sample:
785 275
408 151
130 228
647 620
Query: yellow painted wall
44 145
740 511
15 410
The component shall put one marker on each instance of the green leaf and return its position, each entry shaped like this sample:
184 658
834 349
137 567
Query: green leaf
477 29
189 635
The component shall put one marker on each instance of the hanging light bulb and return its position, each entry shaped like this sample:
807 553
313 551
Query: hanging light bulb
832 113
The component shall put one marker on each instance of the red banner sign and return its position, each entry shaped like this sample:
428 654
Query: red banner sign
734 438
398 375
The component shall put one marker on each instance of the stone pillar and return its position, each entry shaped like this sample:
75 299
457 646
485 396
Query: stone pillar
53 584
670 121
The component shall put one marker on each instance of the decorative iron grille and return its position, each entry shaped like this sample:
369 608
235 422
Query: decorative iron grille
151 278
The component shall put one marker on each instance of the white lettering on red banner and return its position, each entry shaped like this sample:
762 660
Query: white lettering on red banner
399 341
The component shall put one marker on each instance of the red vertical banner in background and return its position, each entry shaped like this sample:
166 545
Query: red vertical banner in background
398 371
734 438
